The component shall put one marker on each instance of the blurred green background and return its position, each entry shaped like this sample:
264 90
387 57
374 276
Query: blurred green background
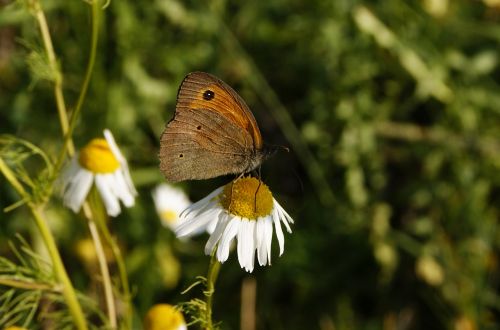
391 110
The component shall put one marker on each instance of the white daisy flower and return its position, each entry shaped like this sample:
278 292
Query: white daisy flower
170 201
102 163
244 210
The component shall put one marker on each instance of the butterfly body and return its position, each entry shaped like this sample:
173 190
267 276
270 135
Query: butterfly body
212 133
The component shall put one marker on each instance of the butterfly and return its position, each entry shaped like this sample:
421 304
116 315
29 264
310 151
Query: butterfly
212 133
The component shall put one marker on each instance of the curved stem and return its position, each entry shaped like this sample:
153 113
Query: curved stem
121 270
103 265
60 272
90 64
213 272
83 91
67 127
58 80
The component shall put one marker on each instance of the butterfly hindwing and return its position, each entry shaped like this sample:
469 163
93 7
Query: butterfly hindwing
200 144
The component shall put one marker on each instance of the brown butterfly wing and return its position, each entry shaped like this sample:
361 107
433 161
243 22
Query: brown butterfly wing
194 94
212 133
200 144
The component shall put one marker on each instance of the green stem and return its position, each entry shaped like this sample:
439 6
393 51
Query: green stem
103 265
83 91
58 79
108 238
61 275
213 272
90 64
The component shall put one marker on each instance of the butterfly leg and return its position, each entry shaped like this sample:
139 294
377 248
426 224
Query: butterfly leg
232 187
255 198
256 191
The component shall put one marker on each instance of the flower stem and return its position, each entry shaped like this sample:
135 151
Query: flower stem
213 272
100 220
90 64
62 276
103 265
122 273
69 126
67 129
58 79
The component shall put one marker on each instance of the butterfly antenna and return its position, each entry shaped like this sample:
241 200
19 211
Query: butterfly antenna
284 148
271 149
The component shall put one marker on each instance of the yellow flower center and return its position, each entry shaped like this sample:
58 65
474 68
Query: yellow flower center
163 317
97 157
168 216
248 198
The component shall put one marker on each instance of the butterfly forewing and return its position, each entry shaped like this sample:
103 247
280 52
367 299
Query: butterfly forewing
212 133
200 90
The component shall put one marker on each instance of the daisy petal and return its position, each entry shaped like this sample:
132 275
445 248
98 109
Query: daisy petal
216 235
283 217
104 183
201 204
190 225
286 215
246 244
251 246
279 232
121 159
229 234
122 190
261 243
78 190
268 237
70 172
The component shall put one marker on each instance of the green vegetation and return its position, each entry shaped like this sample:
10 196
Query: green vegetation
391 111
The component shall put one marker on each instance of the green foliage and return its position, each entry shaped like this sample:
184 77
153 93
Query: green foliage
18 309
391 111
34 299
20 155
